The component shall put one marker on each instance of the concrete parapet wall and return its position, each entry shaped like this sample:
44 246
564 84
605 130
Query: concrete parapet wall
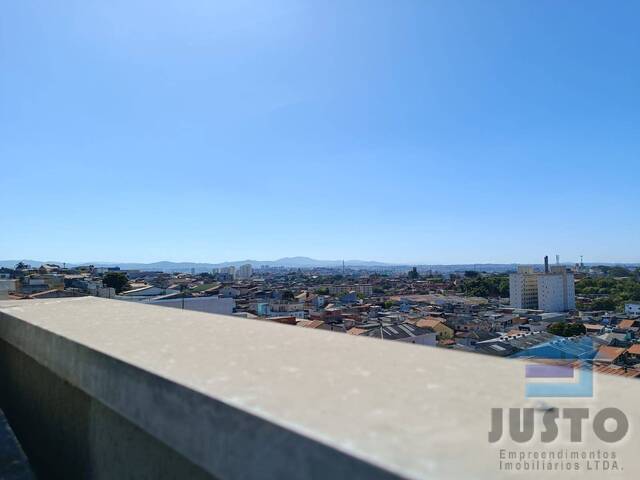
105 389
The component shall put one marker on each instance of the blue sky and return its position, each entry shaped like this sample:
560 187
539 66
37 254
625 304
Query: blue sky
403 131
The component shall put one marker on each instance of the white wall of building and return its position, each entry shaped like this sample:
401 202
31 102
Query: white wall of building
147 292
7 285
570 286
103 292
551 293
556 291
428 339
222 306
632 308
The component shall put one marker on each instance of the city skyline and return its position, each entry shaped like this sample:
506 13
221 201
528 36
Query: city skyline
292 262
426 132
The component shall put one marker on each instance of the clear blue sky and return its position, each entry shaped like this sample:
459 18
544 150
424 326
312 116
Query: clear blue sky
408 131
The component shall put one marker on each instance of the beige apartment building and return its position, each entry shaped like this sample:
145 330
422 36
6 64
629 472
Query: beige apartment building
551 291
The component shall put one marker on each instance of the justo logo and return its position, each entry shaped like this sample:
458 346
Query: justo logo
521 424
559 379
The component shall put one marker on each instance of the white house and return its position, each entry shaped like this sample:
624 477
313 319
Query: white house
229 292
146 292
632 308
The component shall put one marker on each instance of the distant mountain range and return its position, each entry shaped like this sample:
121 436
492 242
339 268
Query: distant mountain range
287 262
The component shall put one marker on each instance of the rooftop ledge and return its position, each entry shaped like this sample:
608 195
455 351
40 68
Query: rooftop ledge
238 398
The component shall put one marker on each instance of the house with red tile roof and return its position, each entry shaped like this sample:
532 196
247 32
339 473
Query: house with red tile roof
608 354
626 324
633 352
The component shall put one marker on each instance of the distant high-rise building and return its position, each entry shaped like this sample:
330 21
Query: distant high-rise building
556 290
551 291
523 288
228 270
244 272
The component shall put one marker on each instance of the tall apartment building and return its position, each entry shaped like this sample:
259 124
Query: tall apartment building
228 270
551 291
523 288
556 290
244 272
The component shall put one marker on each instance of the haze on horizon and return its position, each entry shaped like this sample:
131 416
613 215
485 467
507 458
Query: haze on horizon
293 261
420 132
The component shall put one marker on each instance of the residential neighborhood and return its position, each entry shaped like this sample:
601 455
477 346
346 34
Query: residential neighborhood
536 311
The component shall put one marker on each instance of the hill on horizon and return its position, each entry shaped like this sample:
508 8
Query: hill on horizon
290 262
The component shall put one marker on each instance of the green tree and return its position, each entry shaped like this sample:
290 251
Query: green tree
288 295
503 287
115 280
604 303
573 329
608 293
567 329
487 286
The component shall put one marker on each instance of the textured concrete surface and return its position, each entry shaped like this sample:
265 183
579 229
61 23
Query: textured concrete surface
69 434
248 399
13 462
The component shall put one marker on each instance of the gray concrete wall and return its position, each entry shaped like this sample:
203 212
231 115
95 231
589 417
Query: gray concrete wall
14 464
98 388
82 413
68 434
